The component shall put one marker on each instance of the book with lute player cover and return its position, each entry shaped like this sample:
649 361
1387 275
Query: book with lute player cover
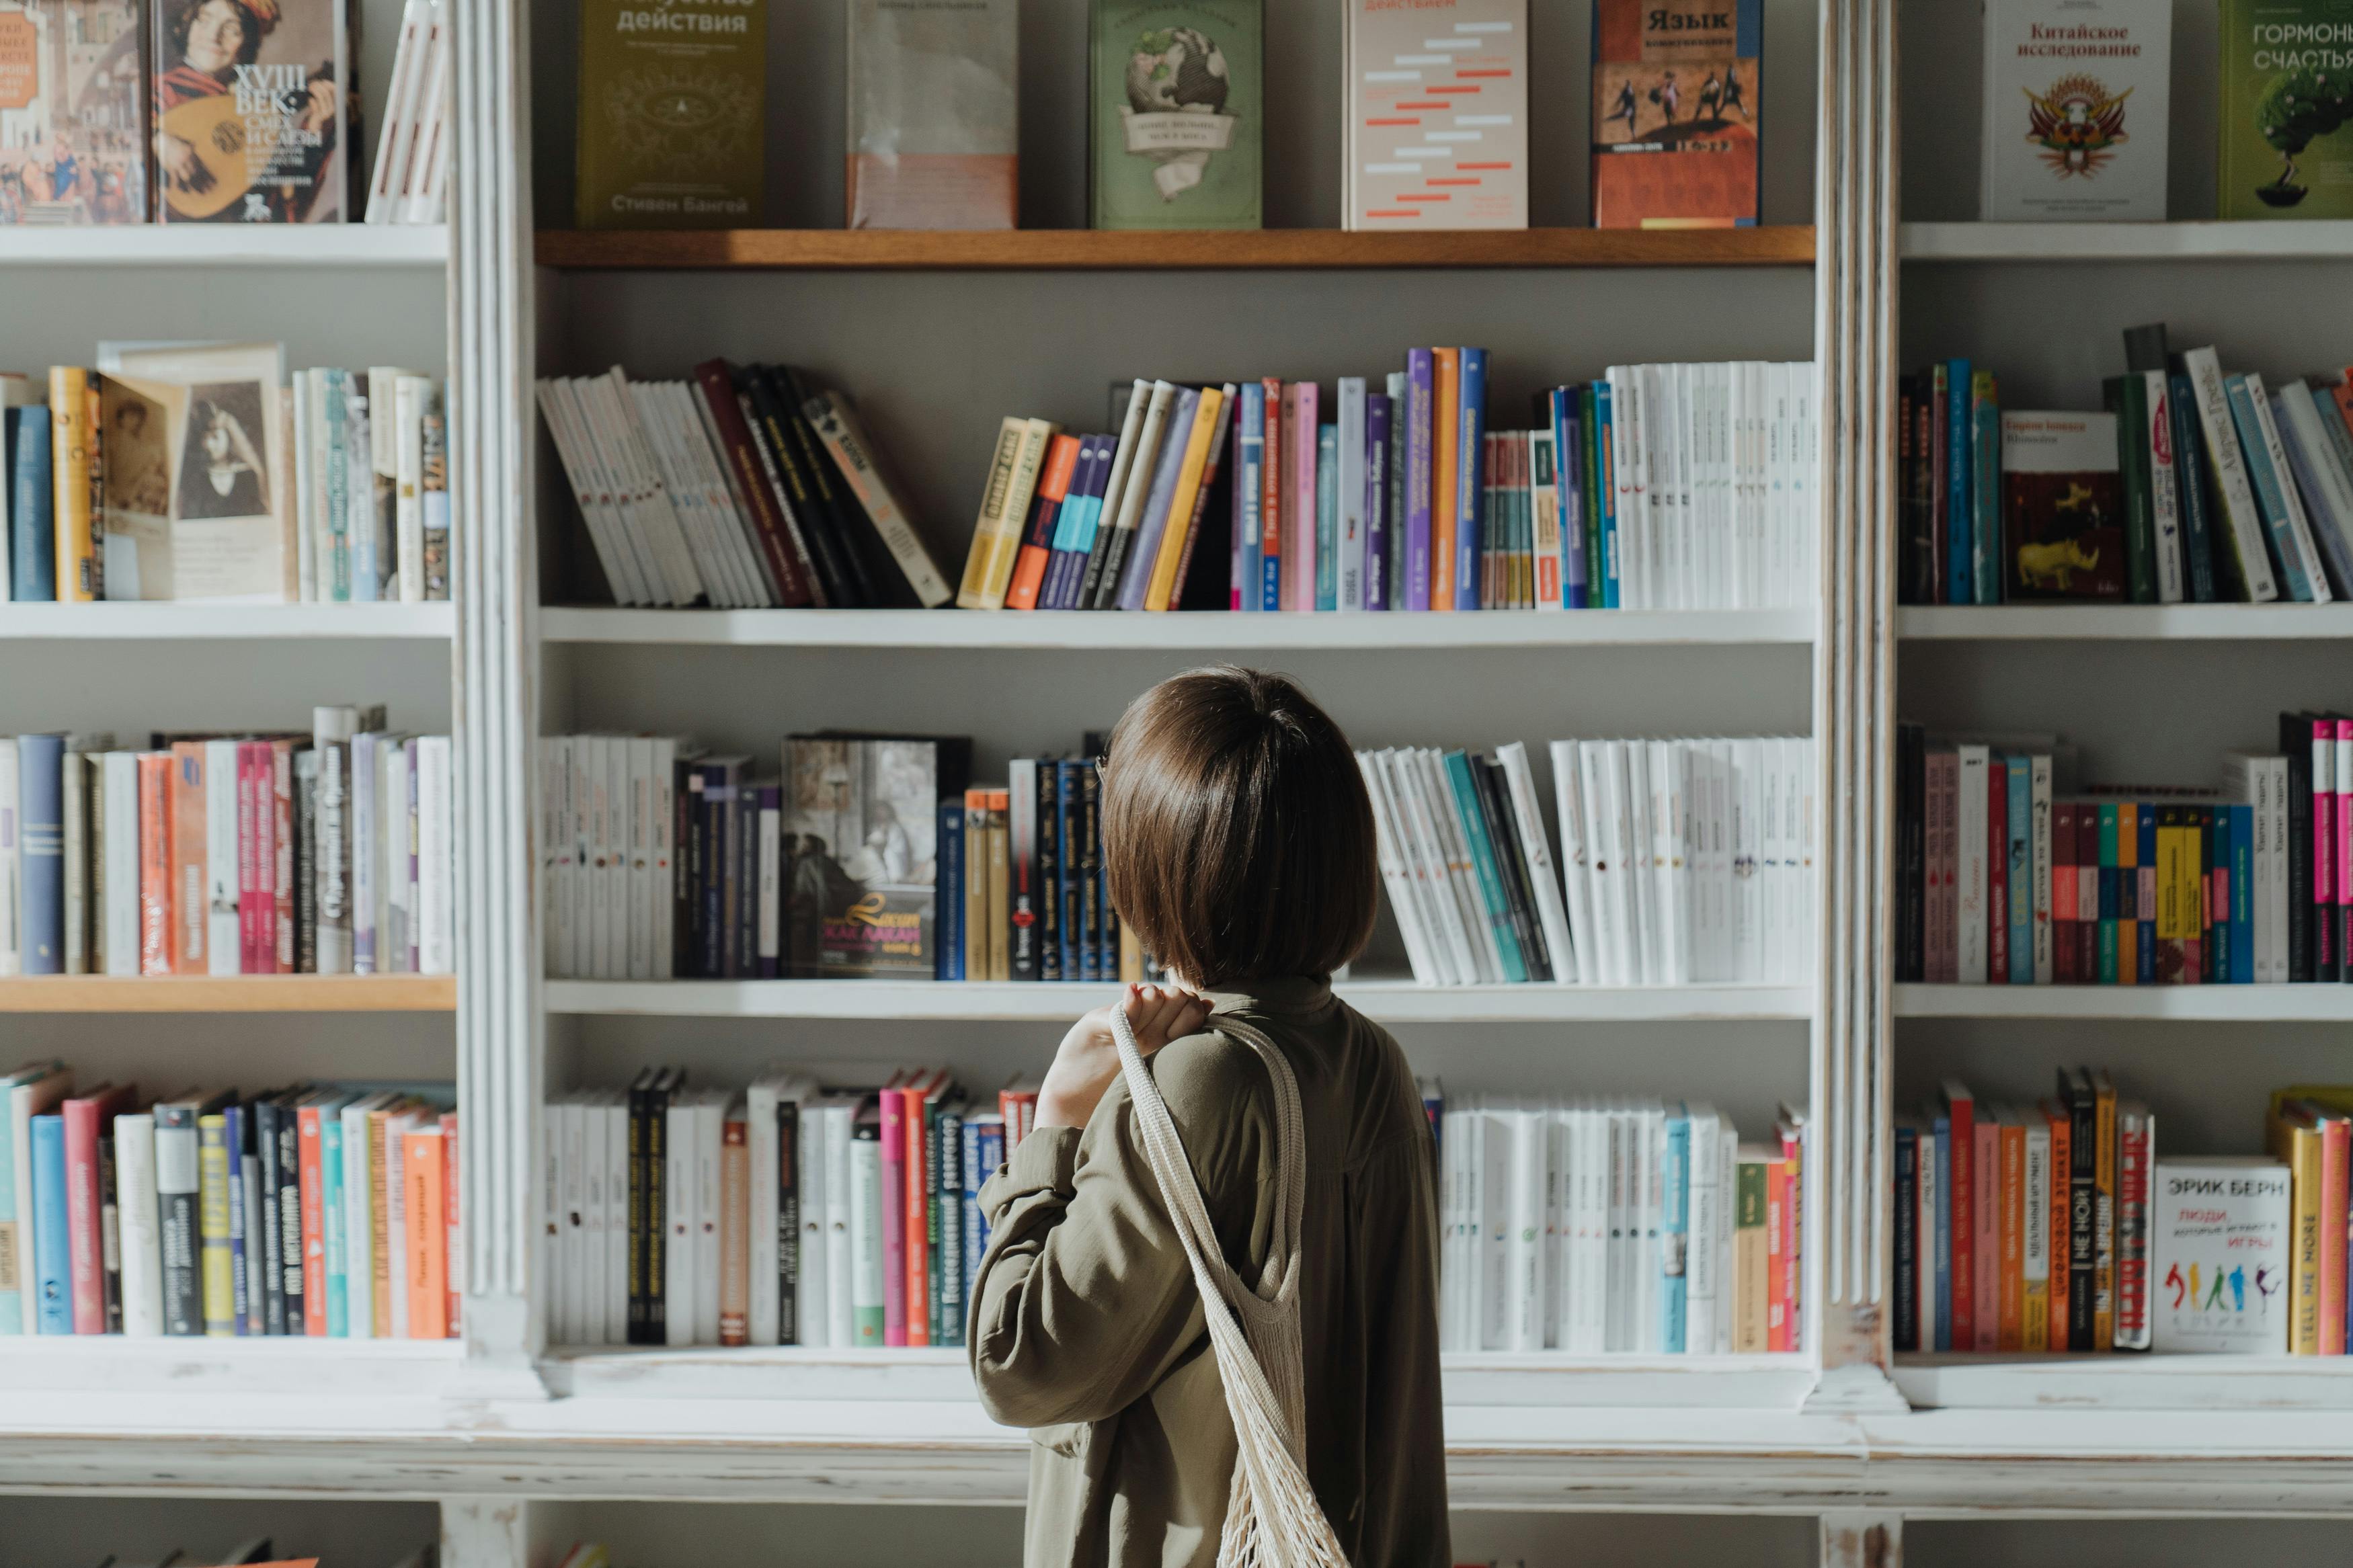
253 110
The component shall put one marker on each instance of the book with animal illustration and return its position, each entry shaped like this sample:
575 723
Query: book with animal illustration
2062 509
2287 93
73 97
674 105
2075 109
254 117
1675 112
1177 106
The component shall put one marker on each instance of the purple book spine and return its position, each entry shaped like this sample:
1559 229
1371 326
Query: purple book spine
1377 500
1421 392
1237 559
1135 577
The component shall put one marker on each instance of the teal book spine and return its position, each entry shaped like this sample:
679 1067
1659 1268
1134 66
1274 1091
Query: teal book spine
1674 1242
1957 515
52 1244
1327 517
2020 850
1482 857
2266 480
331 1186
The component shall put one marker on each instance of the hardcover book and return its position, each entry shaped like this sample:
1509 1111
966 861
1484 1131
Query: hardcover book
2221 1255
861 852
2287 91
673 104
2075 109
1437 114
73 97
253 110
1676 107
934 115
1176 113
2062 506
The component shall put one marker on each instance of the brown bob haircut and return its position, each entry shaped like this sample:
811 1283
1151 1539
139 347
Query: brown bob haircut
1236 829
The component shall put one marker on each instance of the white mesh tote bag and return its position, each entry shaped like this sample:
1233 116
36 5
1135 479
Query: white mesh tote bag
1272 1519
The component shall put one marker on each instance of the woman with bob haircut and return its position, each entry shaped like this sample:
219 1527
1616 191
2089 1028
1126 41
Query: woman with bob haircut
1238 842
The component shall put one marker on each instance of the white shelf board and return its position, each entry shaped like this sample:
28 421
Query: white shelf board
2012 1382
289 1365
1194 629
162 622
2225 1004
221 244
2104 623
1389 1001
2323 239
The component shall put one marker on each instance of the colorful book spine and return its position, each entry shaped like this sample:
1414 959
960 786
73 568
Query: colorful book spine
889 1218
1380 522
1421 470
1471 480
52 1259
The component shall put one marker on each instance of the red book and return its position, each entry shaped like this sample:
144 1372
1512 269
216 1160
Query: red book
453 1260
84 1115
894 1235
780 545
1962 1109
1777 1254
154 862
1792 1262
2061 1123
281 850
252 810
2087 903
1044 507
1269 488
1997 888
2342 915
1985 1204
2062 892
310 1175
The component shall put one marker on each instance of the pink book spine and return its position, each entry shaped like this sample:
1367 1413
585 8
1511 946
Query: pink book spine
2344 830
1303 498
1985 1216
2323 835
255 954
281 852
894 1238
1943 960
84 1251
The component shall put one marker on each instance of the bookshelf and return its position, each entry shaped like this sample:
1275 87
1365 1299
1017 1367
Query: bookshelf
230 993
198 622
419 247
2107 243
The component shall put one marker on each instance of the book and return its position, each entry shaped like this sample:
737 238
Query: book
2282 104
79 154
638 165
1437 115
1676 113
933 116
253 113
1175 113
2076 101
2062 506
2220 1250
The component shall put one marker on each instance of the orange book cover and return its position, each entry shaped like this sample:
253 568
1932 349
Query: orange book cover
915 1207
2062 1152
156 926
428 1280
188 904
452 1204
1446 436
2011 1335
310 1181
2128 879
1777 1254
1053 486
1675 102
380 1217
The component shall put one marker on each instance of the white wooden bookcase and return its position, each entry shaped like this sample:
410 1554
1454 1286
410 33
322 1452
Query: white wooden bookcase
1827 1455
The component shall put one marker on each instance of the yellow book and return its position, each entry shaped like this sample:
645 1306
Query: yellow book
216 1274
1004 542
1207 424
2128 864
1749 1258
2299 1144
1000 953
73 469
2035 1234
975 884
972 593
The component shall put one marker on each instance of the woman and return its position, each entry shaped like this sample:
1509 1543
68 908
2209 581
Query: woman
1240 844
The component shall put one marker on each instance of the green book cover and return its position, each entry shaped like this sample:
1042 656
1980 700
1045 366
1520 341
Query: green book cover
2287 92
1177 111
673 100
2127 399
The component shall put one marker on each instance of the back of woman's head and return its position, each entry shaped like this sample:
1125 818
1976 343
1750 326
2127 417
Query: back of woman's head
1236 829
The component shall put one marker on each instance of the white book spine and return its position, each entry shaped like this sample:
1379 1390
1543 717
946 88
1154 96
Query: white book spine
1575 861
1639 851
640 778
1351 495
679 1220
616 1110
120 802
614 794
596 1230
435 868
140 1224
1523 1235
1702 1281
2229 466
359 1227
2299 529
1388 857
567 1129
408 396
1493 1141
760 1148
812 1321
221 890
662 912
1970 908
366 853
840 1283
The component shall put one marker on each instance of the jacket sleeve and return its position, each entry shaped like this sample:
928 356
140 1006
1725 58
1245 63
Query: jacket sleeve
1085 1300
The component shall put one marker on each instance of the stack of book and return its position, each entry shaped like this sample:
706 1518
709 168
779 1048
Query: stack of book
330 853
199 472
2190 487
747 487
787 1212
2056 1227
2009 875
1599 1227
410 182
323 1210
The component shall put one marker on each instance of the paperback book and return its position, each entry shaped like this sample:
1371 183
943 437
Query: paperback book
1177 95
1675 112
1438 111
2076 100
254 113
934 115
2286 95
76 100
673 114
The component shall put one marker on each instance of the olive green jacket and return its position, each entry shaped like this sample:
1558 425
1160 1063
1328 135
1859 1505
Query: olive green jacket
1086 1324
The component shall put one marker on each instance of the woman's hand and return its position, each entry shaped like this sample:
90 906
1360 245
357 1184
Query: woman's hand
1089 1056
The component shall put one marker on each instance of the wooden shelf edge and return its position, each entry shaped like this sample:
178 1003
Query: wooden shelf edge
1052 250
229 994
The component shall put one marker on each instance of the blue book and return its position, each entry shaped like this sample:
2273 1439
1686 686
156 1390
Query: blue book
2190 486
948 924
41 850
243 1249
2022 871
2218 929
1943 1238
1906 1295
2271 500
1483 860
32 538
1327 517
1569 493
2243 895
2145 906
1145 549
984 1151
1674 1224
948 1274
1067 523
1249 479
1960 521
1470 477
52 1241
1378 413
1069 825
1985 497
1604 430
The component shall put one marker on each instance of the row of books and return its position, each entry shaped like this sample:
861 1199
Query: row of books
2191 486
2057 1226
787 1212
1680 861
746 487
203 472
331 853
1661 486
1435 120
2009 875
1596 1226
255 1553
321 1210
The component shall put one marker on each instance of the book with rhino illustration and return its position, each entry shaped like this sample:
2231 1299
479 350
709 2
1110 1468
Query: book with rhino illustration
2062 508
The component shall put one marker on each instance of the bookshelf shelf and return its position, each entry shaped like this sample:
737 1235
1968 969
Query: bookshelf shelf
1994 1382
233 622
1060 251
1390 1002
2227 1003
1069 629
229 994
2124 623
229 244
2324 240
292 1364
